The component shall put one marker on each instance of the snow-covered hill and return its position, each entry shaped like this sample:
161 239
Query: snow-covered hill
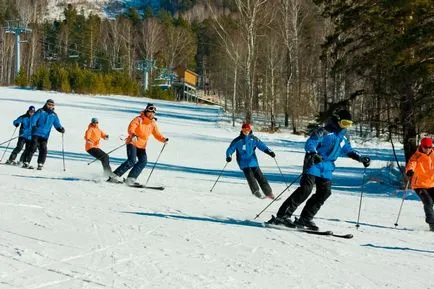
103 8
71 229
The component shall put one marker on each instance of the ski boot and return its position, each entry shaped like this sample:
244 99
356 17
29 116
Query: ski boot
305 224
25 165
270 196
258 194
131 182
285 221
431 227
40 167
115 179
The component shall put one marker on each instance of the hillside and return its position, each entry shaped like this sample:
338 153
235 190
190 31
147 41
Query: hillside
71 229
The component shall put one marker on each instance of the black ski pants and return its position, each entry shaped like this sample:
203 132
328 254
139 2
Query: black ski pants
39 143
427 197
323 191
20 144
255 176
100 155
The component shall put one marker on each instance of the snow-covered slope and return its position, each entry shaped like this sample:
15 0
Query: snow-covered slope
71 229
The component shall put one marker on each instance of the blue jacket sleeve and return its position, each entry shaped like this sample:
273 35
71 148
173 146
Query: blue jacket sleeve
232 147
260 145
346 149
56 122
313 141
18 121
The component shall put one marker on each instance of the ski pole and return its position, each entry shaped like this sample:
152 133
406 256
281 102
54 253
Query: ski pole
221 172
9 142
107 153
361 197
63 151
284 179
150 174
402 202
278 195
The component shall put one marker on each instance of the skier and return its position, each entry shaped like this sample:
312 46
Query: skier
420 169
322 148
42 121
25 135
245 145
93 136
139 130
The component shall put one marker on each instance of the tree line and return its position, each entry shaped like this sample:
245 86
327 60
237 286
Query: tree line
287 60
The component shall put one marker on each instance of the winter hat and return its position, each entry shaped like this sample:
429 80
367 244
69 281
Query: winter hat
150 107
31 108
50 101
343 114
246 125
94 120
426 142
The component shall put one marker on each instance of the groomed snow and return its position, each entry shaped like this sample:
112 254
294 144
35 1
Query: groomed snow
71 229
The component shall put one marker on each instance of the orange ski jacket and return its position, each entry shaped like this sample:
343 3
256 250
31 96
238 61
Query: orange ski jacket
93 136
423 166
142 127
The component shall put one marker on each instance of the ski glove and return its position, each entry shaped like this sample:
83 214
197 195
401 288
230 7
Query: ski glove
166 140
315 157
228 159
366 161
134 138
61 130
271 154
106 137
17 125
410 173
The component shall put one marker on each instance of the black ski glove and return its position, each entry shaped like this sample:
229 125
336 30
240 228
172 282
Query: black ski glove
410 173
61 130
166 140
366 161
271 153
315 157
17 125
228 159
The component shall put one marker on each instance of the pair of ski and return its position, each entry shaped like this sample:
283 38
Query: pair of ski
138 185
304 230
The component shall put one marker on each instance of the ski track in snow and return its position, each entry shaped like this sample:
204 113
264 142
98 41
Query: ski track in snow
71 229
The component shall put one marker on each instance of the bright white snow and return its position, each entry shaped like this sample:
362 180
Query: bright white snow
71 229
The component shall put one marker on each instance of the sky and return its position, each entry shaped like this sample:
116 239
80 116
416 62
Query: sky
66 227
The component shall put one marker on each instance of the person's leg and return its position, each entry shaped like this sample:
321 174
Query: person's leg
426 196
27 148
323 191
129 163
99 154
253 185
42 151
32 149
140 164
263 183
297 197
17 149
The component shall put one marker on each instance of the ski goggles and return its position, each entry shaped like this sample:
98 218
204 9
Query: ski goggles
345 123
151 109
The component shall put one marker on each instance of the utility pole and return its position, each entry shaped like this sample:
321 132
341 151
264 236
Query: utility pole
17 27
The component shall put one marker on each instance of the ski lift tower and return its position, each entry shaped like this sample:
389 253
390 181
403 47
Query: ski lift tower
145 66
17 27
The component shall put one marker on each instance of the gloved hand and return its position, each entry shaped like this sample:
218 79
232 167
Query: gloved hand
410 173
134 138
61 130
166 140
17 125
366 161
106 137
316 158
228 159
271 154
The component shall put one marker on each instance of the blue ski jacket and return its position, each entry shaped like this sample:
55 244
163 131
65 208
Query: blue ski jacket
330 142
25 121
43 120
245 146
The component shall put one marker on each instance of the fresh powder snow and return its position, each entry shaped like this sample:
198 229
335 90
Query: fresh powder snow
71 229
